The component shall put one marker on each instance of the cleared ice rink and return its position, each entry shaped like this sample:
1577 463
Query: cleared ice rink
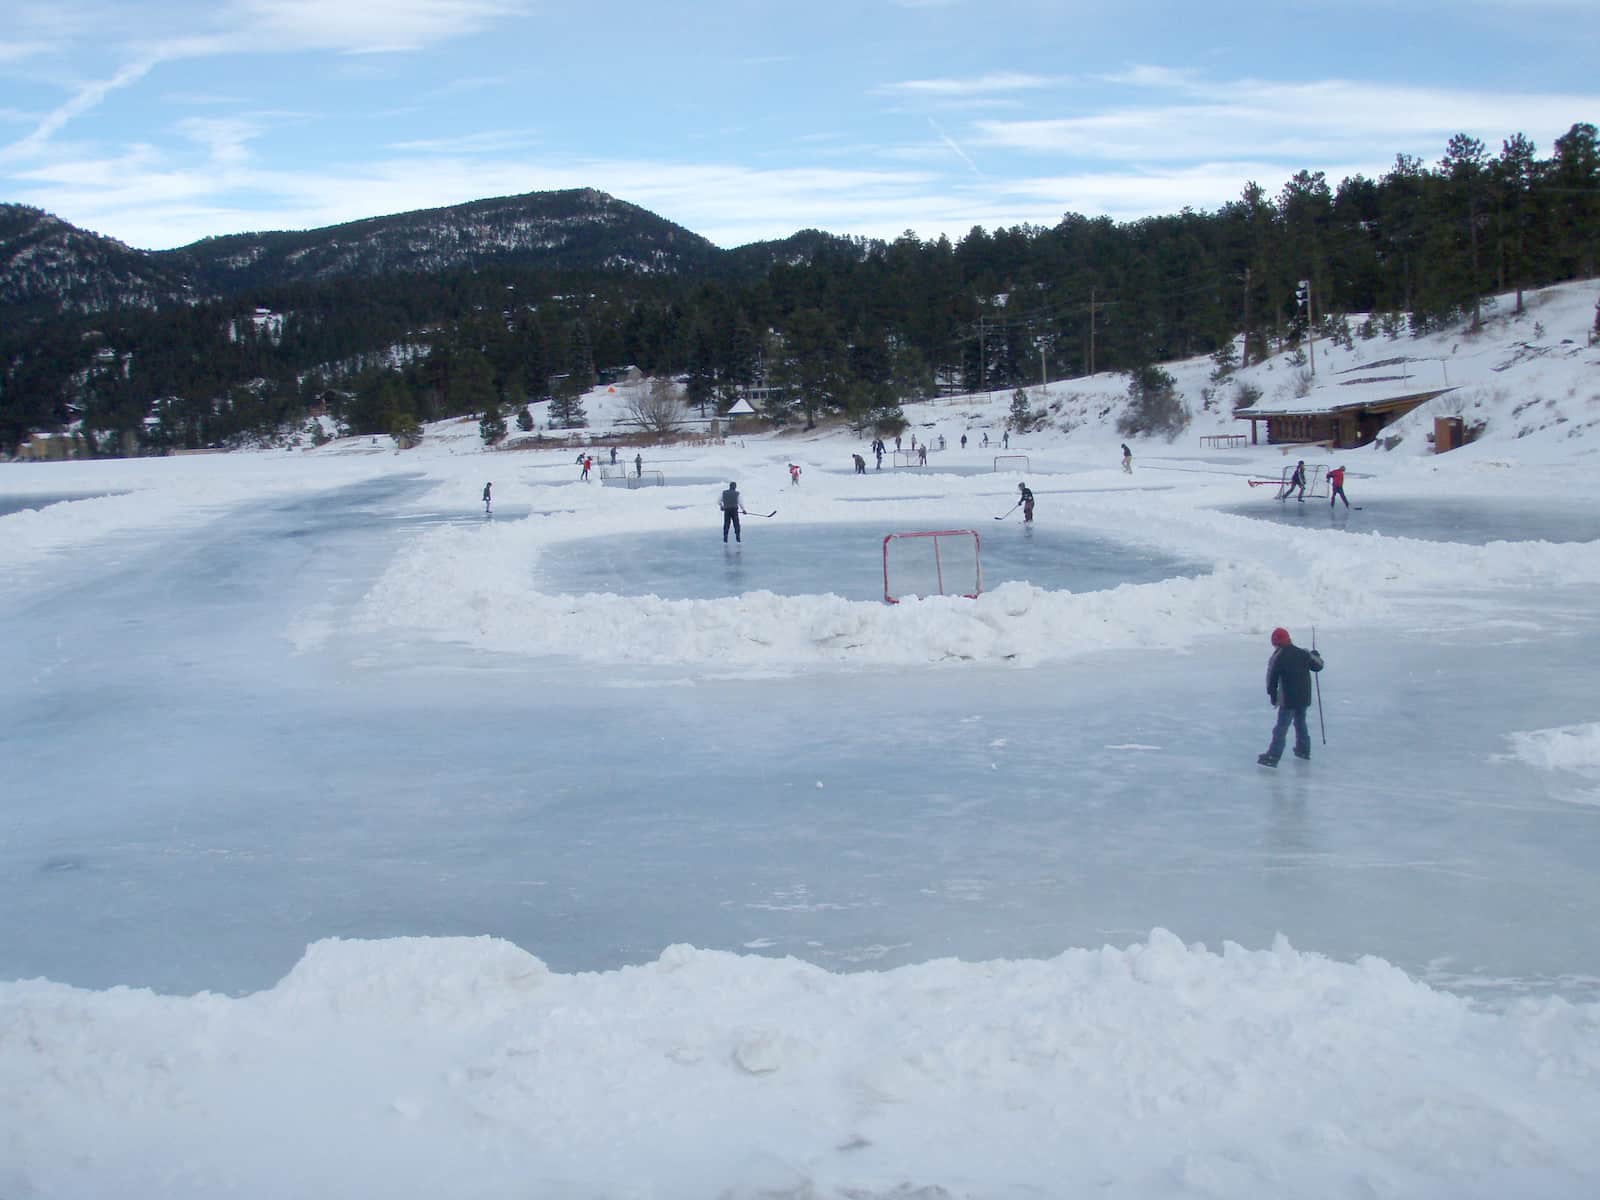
193 799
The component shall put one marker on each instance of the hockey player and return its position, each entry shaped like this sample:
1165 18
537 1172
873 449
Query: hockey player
794 474
1336 487
486 488
1027 502
1297 480
731 506
1289 688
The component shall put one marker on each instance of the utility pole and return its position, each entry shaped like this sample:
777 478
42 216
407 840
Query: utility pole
1091 331
1244 354
983 356
1311 329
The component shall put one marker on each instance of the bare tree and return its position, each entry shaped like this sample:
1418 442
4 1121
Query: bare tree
658 409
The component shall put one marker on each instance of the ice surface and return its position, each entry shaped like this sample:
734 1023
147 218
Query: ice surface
839 558
1440 519
214 772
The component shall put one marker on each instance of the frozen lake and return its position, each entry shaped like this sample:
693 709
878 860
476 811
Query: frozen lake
209 772
1446 519
841 558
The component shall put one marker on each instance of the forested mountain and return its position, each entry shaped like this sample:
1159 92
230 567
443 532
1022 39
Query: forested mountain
486 306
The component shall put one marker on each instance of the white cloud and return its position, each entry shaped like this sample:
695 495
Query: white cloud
977 86
1308 123
361 27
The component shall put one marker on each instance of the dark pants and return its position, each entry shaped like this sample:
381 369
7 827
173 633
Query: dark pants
730 516
1338 494
1027 510
1280 731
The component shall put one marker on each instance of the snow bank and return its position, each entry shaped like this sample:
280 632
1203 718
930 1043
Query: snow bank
480 586
465 1068
1569 748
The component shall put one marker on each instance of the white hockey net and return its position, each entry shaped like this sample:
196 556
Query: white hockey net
908 458
1017 463
942 562
647 479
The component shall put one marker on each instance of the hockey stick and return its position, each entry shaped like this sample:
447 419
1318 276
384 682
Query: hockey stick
1316 678
773 513
1009 511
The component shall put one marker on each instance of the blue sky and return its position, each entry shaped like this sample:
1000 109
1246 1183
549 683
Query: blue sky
163 121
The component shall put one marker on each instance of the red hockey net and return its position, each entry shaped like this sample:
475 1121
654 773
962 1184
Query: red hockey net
942 562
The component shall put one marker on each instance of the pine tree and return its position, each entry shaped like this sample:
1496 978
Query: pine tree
492 426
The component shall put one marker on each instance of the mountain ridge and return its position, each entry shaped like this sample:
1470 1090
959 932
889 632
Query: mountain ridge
50 266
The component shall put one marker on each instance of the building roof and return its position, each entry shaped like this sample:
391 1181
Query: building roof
741 408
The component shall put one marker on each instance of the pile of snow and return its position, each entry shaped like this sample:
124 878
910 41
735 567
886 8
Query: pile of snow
465 1068
1570 748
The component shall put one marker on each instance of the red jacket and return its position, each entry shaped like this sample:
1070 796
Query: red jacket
1336 477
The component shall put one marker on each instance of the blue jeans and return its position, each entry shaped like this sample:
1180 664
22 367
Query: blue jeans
1302 735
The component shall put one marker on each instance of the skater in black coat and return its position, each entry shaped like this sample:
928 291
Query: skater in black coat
731 507
1289 688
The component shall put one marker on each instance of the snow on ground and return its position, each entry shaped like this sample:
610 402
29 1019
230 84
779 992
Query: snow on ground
464 1067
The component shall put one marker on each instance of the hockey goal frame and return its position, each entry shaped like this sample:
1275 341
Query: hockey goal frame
907 458
1011 462
889 595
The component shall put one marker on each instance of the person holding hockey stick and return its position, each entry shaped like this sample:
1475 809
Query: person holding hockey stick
731 506
1026 501
1297 480
1289 688
1336 487
486 489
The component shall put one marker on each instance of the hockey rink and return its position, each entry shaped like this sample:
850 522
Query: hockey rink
269 771
1440 519
845 559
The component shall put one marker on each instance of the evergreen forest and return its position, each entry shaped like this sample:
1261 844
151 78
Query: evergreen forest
847 329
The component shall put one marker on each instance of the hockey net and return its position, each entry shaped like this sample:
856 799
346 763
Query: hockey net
908 458
1011 462
942 562
647 479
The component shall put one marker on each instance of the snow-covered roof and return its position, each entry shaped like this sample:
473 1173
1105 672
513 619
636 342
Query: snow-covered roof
741 408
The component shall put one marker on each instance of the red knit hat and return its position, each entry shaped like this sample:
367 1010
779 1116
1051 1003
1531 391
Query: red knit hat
1280 636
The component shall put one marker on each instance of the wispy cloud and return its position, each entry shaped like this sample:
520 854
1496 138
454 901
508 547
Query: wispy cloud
977 86
954 148
361 27
1190 119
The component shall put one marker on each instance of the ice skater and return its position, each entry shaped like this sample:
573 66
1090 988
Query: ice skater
1336 487
613 456
1297 480
922 455
638 466
861 464
794 474
730 512
1026 500
583 474
1289 688
486 490
1127 459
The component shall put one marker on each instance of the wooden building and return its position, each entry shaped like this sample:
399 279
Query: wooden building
1340 426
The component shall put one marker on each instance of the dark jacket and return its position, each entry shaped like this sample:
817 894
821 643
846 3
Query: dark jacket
1289 675
730 500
